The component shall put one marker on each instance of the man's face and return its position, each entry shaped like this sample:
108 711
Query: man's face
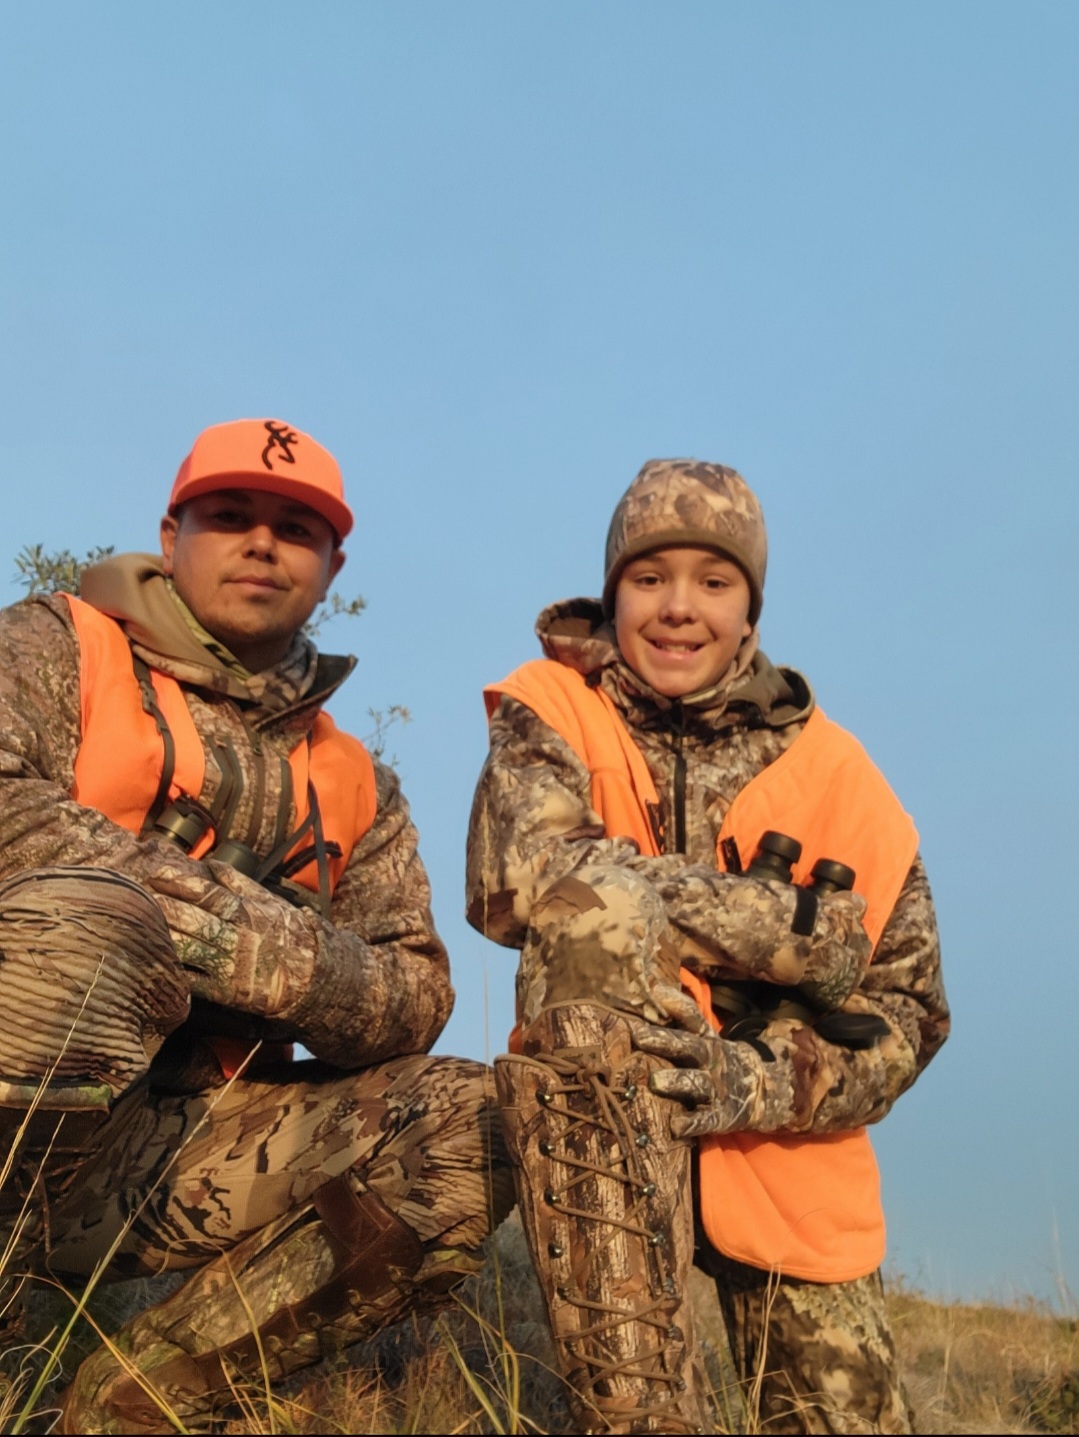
251 567
680 615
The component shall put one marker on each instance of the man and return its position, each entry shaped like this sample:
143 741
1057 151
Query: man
198 870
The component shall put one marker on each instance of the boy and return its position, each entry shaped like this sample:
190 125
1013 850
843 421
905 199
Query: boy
672 1005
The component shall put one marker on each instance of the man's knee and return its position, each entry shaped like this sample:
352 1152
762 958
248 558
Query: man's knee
442 1167
90 980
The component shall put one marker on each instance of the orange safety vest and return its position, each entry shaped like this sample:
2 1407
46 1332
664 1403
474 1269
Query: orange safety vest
807 1206
119 763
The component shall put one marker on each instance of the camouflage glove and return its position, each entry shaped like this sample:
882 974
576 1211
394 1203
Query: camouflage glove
720 1083
757 927
240 946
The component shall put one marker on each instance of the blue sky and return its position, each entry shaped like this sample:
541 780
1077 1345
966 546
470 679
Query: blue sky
496 256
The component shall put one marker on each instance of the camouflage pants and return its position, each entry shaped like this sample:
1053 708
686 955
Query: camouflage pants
822 1355
196 1174
197 1181
825 1350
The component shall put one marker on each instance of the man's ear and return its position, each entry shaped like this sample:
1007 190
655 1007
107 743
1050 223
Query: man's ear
336 564
169 529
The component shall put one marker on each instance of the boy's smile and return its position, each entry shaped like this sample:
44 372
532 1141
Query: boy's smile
680 615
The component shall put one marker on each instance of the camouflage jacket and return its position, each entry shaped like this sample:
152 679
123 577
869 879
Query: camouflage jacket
389 989
532 824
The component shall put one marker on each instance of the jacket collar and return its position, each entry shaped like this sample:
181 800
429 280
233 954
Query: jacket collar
132 589
755 694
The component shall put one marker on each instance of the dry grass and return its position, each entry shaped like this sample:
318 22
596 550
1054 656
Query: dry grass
994 1369
486 1364
979 1368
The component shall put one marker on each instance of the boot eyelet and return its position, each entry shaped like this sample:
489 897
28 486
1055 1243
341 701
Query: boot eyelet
546 1149
674 1332
629 1092
543 1098
643 1140
649 1190
657 1239
555 1249
550 1197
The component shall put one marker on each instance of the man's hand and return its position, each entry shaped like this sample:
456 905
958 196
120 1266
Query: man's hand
719 1082
241 946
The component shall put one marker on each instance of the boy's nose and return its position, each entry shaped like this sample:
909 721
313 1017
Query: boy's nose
678 603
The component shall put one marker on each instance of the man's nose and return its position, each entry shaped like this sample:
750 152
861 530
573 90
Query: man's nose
260 541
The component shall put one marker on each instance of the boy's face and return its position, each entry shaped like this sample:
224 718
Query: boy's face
251 567
680 615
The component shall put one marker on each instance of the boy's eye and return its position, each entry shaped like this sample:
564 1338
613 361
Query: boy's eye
716 582
295 530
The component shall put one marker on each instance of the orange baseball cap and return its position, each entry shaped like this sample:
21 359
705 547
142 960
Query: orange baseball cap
268 455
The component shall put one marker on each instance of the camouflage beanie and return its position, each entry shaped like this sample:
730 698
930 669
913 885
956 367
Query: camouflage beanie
685 501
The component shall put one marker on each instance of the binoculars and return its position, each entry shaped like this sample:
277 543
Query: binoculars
750 1007
777 854
185 821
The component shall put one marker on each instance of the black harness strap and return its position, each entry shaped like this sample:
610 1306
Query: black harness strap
324 896
168 743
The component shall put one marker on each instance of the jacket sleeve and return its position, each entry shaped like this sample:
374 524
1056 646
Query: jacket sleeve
381 983
533 824
813 1086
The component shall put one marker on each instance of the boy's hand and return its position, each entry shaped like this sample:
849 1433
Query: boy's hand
751 928
719 1082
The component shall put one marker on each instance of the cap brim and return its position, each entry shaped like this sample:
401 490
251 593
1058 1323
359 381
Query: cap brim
336 513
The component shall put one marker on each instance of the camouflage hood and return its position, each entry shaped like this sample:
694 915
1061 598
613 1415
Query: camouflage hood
132 589
576 633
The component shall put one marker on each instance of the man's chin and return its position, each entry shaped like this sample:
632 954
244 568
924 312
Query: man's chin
253 639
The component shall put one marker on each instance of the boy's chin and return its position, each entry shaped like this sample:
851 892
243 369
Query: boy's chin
678 686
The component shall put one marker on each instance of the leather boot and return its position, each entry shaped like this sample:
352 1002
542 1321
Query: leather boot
606 1202
346 1265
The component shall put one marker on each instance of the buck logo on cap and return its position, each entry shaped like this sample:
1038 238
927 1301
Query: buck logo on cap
281 437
